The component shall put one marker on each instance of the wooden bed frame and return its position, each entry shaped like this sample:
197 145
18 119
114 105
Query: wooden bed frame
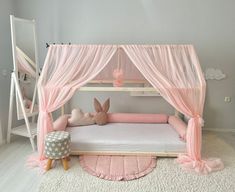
158 154
122 89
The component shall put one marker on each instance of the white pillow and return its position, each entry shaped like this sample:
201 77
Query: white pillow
78 118
60 124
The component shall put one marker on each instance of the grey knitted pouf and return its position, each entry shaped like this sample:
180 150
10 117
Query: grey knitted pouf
57 146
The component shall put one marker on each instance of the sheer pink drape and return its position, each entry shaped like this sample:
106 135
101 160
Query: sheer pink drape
130 72
174 70
66 69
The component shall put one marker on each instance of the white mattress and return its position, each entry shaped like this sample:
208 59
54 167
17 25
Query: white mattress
128 137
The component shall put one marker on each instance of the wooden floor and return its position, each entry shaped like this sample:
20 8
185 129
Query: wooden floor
15 177
228 137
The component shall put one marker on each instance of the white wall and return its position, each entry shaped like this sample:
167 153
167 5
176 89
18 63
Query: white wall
209 25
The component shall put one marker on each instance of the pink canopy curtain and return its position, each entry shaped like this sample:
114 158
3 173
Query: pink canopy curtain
130 72
66 69
174 70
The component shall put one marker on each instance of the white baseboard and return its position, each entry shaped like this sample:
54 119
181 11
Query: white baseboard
219 130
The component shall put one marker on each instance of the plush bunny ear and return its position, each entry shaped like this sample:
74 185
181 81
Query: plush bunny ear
106 105
97 106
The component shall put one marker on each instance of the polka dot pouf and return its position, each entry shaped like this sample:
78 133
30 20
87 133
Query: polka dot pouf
57 146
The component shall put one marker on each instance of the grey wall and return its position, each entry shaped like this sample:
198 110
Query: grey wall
6 8
29 10
44 12
209 25
206 24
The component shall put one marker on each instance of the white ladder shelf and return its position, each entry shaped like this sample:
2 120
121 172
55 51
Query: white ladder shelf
29 129
22 130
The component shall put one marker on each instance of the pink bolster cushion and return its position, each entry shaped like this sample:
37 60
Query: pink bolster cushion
137 118
179 125
60 124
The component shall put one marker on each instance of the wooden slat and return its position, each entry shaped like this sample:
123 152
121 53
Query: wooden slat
116 89
159 154
62 110
111 81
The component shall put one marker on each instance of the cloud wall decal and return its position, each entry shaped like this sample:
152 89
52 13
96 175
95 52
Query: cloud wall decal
214 74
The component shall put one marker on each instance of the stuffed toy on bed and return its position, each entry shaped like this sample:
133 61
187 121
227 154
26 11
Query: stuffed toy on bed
101 116
78 118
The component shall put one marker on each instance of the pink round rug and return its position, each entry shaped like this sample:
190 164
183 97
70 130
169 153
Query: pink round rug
117 168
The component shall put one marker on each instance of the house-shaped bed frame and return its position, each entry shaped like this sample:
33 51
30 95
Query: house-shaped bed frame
173 70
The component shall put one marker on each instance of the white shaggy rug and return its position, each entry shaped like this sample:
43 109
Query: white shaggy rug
166 177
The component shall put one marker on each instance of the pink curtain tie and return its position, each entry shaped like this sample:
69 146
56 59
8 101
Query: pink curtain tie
199 118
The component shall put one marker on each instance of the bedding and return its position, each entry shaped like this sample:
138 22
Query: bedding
179 125
60 124
78 118
126 137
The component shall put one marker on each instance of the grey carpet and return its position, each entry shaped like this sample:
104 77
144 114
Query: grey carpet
166 177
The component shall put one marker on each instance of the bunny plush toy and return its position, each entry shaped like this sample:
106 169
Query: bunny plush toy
101 116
